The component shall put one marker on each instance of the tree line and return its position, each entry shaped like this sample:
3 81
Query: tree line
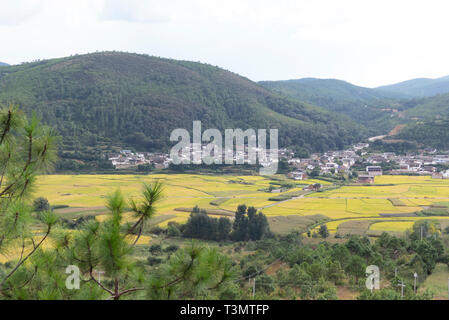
248 225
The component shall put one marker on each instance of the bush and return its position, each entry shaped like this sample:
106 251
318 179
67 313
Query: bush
324 232
155 249
265 283
173 231
41 204
157 230
153 261
171 248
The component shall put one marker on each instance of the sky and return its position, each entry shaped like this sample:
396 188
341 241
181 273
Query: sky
368 43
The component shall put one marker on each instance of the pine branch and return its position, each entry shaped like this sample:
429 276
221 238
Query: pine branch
22 261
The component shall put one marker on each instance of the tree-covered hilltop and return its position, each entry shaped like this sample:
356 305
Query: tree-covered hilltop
133 100
370 107
3 64
421 87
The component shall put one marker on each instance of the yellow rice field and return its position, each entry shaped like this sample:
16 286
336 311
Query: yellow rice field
185 191
86 194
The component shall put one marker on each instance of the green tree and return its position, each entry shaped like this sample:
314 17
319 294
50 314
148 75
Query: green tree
356 267
41 204
240 226
155 249
192 272
223 229
323 232
249 225
315 172
27 149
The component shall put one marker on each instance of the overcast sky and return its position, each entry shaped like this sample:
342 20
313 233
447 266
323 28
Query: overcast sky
368 43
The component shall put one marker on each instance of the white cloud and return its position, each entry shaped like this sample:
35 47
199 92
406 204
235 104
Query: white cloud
133 11
365 42
18 11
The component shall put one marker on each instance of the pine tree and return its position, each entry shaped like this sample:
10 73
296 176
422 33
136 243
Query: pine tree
27 149
107 246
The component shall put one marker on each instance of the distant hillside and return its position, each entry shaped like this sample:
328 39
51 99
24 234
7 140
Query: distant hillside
428 121
2 64
428 108
422 87
136 101
431 133
361 104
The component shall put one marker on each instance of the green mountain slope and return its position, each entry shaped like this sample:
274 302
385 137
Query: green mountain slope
421 87
427 121
136 100
2 64
430 133
428 108
373 108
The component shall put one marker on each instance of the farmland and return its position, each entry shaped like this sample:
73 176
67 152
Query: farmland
392 204
85 194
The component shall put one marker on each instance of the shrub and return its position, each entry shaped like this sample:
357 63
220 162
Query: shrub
155 249
172 248
41 204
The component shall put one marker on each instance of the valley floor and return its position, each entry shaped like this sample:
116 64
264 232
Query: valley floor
392 204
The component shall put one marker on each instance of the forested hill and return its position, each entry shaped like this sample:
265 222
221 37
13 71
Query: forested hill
136 100
332 89
421 87
373 108
428 121
2 64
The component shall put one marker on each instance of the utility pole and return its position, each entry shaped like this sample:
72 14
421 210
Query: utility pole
254 287
421 232
402 285
415 275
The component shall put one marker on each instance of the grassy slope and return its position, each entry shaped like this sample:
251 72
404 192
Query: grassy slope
437 282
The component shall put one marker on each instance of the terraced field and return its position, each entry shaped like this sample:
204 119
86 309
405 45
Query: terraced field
388 205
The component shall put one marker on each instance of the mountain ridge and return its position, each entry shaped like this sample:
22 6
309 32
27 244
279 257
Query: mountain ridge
364 105
419 87
116 98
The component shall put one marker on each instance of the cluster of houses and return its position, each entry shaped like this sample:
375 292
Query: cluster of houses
197 153
342 161
191 153
331 162
128 159
328 163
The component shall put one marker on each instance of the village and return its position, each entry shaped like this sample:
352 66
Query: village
364 165
355 161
